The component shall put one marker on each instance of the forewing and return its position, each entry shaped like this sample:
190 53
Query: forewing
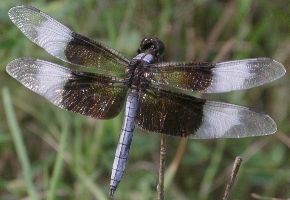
61 42
81 92
186 116
219 77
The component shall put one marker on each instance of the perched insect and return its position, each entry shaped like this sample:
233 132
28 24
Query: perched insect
153 91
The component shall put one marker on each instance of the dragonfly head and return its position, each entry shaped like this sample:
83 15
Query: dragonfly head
153 46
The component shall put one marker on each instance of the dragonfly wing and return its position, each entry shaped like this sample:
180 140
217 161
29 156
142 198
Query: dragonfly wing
219 77
61 42
86 93
175 114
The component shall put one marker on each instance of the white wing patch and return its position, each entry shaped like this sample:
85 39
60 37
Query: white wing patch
227 79
222 120
243 74
42 29
216 124
55 40
37 76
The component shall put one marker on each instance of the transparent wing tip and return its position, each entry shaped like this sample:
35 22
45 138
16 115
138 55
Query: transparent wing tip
256 123
16 11
269 68
15 64
279 69
11 66
270 124
12 11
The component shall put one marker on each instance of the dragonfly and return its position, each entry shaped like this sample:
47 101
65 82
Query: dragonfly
99 81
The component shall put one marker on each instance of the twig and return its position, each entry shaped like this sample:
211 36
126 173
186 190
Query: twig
160 187
257 196
284 139
246 155
234 173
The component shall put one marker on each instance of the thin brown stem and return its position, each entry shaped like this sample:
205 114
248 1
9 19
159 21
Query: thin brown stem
284 139
234 173
257 196
246 155
160 187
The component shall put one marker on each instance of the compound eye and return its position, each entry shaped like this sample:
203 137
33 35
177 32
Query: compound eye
145 40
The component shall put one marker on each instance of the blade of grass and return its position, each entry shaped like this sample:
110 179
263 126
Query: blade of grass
164 17
211 170
84 179
19 144
4 138
58 163
173 167
125 24
89 184
109 21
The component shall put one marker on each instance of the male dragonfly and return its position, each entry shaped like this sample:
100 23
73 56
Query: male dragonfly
102 80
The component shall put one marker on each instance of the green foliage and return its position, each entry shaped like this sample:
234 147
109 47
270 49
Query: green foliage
49 153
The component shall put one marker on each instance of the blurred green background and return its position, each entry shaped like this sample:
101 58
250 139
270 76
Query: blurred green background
54 154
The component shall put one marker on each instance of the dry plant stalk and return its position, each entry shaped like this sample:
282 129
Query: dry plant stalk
160 186
234 173
257 196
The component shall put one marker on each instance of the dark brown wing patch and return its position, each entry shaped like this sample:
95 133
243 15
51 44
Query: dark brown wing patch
83 51
94 96
169 113
188 76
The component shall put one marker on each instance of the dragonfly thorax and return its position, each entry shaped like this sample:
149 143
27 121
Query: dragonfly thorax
136 71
